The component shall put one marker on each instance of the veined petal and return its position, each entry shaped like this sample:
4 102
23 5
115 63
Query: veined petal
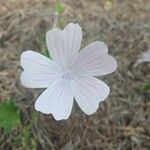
63 45
88 92
93 60
57 100
39 71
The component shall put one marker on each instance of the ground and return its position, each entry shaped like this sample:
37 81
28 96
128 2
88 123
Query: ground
122 120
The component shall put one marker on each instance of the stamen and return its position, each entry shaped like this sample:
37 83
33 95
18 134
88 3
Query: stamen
69 75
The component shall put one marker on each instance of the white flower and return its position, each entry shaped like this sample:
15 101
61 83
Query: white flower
69 74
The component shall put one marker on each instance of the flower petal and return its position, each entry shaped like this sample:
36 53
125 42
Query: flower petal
39 71
94 60
57 99
88 92
63 45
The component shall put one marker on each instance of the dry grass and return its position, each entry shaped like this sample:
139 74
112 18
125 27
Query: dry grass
122 121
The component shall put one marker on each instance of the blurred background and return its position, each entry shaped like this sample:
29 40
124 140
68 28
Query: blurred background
122 120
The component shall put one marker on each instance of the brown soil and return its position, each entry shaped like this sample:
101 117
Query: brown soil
122 121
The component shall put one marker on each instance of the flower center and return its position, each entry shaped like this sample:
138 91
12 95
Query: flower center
69 75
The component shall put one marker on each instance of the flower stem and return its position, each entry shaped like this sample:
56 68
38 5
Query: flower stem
55 19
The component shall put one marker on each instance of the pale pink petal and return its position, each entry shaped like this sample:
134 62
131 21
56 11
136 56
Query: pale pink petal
39 71
57 100
94 60
63 45
88 92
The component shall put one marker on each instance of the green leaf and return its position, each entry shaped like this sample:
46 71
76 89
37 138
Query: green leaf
25 139
43 46
145 87
9 115
59 7
46 53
